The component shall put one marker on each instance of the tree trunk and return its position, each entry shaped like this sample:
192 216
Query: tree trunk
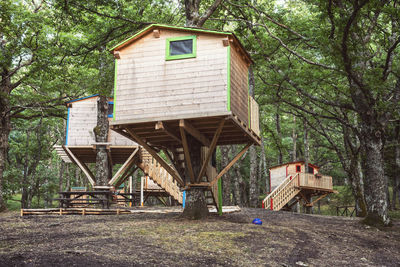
253 201
308 210
396 182
226 179
279 135
264 166
375 186
68 176
61 176
195 204
294 138
101 134
5 127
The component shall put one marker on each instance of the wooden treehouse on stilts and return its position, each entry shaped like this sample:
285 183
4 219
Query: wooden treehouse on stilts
184 91
293 183
80 148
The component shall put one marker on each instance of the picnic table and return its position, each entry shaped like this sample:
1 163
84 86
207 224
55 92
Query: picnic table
73 198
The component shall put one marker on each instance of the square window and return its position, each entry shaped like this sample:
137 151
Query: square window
181 47
298 168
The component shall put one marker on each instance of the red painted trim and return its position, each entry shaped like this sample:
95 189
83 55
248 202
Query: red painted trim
291 177
287 166
270 181
262 205
272 203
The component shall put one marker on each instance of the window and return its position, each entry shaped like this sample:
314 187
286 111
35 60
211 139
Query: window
298 168
181 47
110 109
310 169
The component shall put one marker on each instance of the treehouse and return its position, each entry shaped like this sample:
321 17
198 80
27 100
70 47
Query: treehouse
175 82
80 148
295 182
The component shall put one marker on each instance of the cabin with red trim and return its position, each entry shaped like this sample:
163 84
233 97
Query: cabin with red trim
296 182
277 174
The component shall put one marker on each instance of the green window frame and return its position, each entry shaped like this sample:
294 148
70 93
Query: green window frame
168 55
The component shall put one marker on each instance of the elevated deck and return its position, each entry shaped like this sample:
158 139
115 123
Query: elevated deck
234 131
300 187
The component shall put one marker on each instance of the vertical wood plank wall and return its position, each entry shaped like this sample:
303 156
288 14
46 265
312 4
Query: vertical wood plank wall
239 86
82 120
150 88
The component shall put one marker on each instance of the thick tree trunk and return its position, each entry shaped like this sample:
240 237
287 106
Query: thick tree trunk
195 204
101 134
253 201
226 179
61 176
375 185
308 210
264 166
396 182
5 127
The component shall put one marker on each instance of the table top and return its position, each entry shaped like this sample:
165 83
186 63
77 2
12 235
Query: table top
86 193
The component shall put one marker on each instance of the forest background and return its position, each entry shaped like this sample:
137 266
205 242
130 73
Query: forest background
326 76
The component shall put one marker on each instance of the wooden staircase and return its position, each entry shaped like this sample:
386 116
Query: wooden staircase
281 195
160 176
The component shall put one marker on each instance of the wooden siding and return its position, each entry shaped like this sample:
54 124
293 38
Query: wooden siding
277 176
151 88
82 120
239 86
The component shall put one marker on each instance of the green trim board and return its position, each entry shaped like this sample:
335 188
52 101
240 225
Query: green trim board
220 196
115 88
168 27
168 55
229 78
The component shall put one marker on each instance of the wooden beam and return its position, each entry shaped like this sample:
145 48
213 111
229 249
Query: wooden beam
127 163
81 165
161 126
188 160
234 160
194 132
318 199
211 150
126 174
152 152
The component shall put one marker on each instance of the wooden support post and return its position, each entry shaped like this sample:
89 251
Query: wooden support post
165 165
162 126
211 150
130 190
81 165
141 190
194 132
188 160
126 164
234 160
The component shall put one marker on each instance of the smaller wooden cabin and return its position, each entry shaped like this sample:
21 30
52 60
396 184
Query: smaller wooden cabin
277 174
295 182
79 137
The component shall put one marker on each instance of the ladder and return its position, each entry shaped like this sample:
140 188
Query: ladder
283 194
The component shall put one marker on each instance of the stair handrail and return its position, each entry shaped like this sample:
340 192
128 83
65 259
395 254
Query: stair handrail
279 188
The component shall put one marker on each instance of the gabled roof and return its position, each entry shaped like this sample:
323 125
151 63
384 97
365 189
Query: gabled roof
82 98
294 162
151 27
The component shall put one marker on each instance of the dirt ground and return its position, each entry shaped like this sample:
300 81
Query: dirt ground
284 239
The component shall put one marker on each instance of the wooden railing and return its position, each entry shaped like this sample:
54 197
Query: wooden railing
315 181
281 195
254 116
161 177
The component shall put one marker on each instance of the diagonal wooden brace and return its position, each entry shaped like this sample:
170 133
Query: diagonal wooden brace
211 150
124 167
81 165
234 160
152 152
188 160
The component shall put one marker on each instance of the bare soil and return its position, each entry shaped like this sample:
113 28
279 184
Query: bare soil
284 239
